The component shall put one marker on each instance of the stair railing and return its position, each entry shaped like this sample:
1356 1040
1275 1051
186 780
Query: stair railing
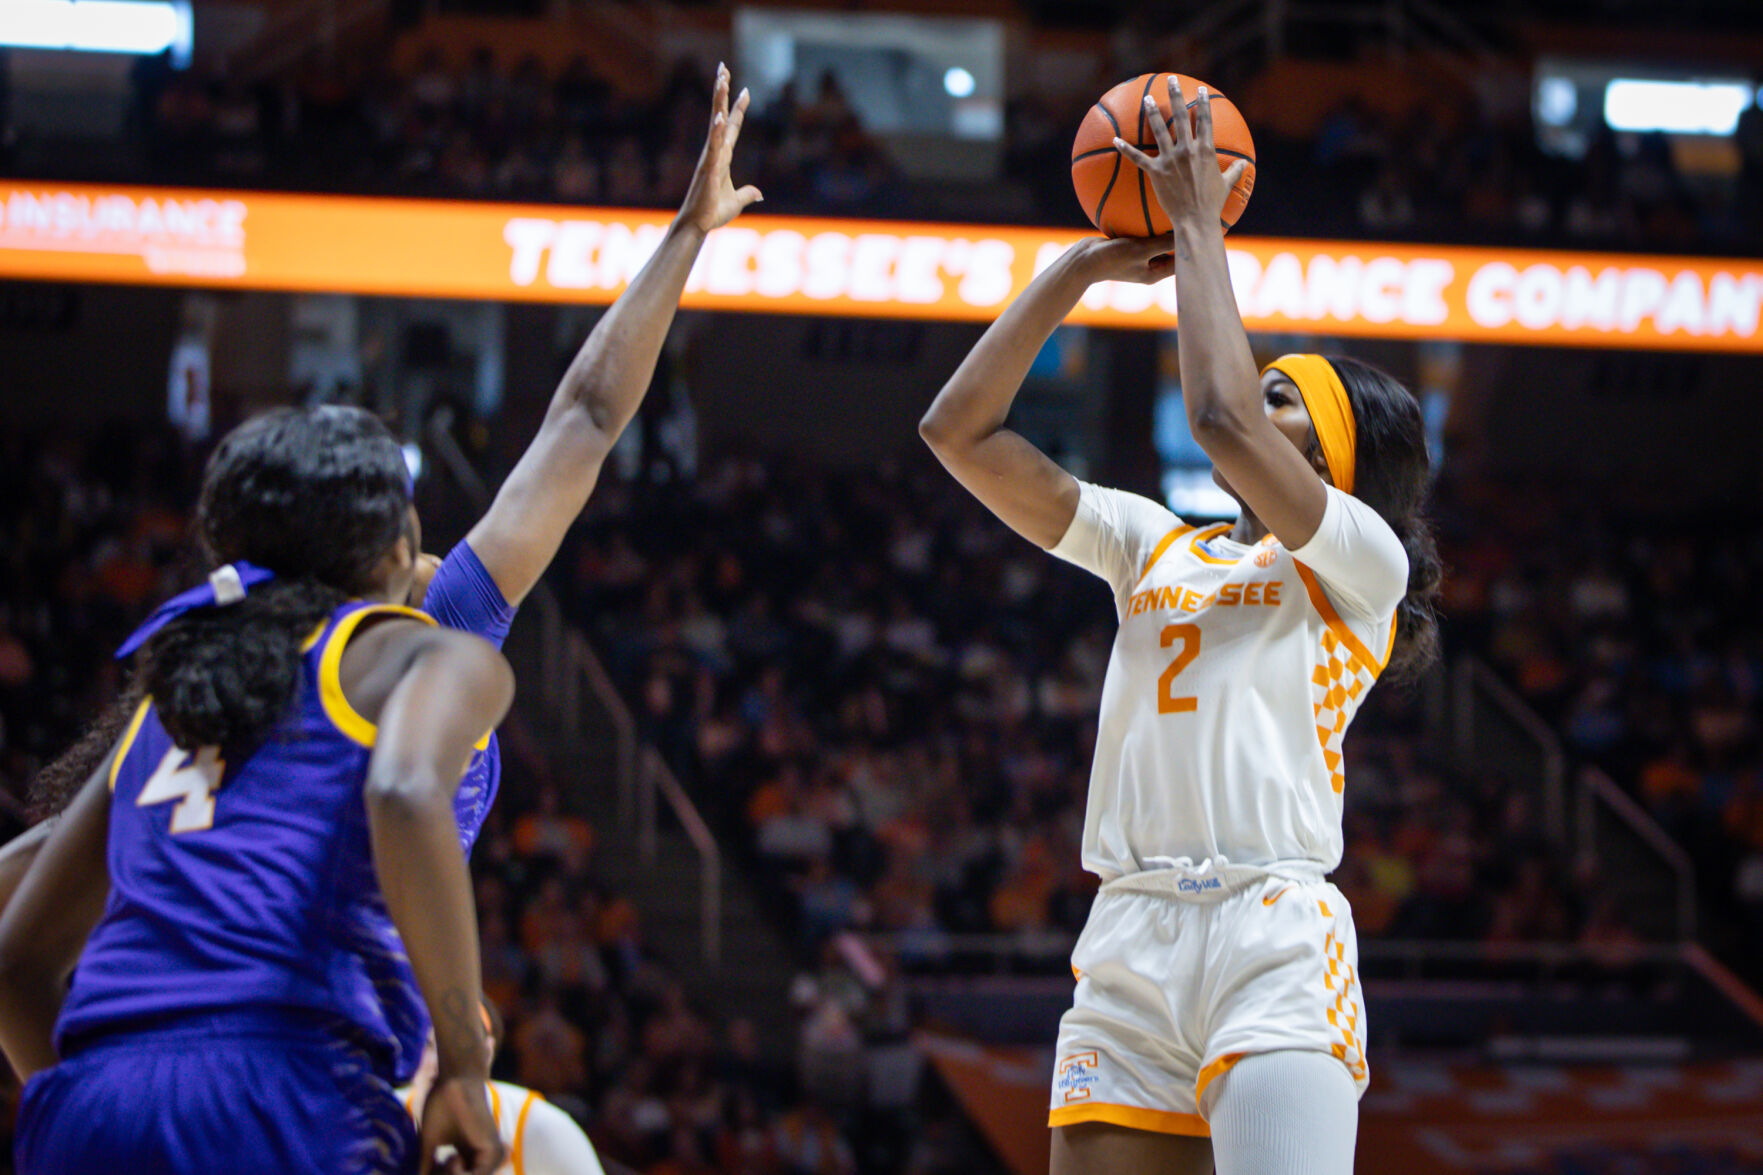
659 778
1475 681
1596 795
1597 790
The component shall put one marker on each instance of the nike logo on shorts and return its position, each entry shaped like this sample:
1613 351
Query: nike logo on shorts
1282 893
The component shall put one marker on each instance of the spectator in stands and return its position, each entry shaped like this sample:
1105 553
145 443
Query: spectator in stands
547 831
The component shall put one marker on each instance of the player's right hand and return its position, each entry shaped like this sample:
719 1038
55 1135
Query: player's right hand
713 200
1184 172
457 1115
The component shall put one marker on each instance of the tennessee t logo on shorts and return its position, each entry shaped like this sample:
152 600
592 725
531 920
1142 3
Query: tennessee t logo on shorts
1076 1076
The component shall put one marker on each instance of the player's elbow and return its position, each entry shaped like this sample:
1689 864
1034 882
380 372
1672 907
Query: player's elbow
933 429
943 433
585 426
404 791
1218 424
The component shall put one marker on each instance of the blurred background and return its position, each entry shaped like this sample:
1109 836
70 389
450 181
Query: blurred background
784 875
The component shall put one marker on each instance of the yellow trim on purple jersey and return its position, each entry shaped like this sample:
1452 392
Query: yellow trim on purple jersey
128 739
330 684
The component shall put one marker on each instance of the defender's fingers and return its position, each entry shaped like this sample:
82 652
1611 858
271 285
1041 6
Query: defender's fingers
719 94
736 119
1234 173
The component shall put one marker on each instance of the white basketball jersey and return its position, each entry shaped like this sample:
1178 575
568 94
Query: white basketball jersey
541 1139
1234 675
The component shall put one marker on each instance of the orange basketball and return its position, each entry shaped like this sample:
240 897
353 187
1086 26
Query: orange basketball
1113 192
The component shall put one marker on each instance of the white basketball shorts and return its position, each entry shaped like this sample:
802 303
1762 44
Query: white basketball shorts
1183 971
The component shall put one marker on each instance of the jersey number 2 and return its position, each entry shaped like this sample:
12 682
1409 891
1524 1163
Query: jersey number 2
191 780
1189 636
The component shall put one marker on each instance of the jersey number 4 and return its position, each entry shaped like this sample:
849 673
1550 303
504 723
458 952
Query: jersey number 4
189 779
1189 636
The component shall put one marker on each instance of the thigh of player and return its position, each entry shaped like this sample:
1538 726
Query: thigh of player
1102 1148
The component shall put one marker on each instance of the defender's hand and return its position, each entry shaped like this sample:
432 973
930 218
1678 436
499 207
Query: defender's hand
457 1115
713 200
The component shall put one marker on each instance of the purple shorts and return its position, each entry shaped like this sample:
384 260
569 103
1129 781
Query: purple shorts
245 1093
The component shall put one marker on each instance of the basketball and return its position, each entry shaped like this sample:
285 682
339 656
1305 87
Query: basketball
1114 193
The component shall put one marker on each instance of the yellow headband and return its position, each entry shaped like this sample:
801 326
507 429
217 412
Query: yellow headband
1330 412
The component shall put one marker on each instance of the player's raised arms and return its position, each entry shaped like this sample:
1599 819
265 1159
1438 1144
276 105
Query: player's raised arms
605 383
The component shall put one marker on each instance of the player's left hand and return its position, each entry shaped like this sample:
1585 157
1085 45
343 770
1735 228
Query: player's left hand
713 200
1184 172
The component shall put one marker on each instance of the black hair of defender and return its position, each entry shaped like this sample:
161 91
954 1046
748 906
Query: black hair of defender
317 495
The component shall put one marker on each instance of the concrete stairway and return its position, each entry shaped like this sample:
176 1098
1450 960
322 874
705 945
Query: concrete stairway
753 976
581 726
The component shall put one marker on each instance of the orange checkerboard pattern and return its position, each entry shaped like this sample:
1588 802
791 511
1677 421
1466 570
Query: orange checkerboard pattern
1337 684
1342 981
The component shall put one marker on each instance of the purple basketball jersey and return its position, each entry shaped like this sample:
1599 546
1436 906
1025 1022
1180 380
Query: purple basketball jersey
249 883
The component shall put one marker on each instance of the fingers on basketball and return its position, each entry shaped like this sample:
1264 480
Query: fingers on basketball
1113 193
